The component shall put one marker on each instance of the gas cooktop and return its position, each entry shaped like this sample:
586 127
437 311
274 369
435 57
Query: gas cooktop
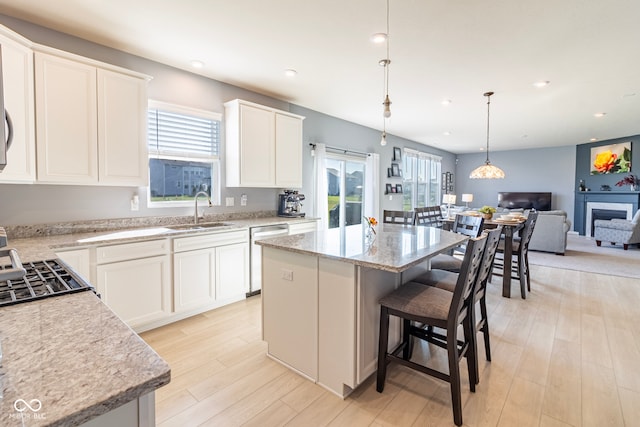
42 279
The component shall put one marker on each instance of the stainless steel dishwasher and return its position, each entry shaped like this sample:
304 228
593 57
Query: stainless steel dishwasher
255 255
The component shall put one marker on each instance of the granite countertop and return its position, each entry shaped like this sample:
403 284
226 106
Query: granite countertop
75 357
395 247
43 245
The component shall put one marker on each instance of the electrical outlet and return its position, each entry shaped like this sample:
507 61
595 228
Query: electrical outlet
243 200
287 275
230 201
135 203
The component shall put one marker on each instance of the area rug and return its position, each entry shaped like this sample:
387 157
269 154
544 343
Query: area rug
582 254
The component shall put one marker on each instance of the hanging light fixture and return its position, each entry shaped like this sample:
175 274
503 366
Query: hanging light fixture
386 112
487 171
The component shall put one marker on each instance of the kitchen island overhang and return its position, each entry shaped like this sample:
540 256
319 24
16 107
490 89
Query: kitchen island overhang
321 291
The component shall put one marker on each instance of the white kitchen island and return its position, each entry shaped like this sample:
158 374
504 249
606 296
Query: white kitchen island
321 291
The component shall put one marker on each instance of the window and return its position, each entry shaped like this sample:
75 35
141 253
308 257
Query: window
421 179
345 181
184 148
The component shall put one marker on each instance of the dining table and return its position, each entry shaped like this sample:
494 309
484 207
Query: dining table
510 229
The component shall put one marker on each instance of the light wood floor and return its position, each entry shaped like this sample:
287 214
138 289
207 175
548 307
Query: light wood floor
568 355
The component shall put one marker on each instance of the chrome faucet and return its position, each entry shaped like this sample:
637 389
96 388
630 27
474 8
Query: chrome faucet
195 198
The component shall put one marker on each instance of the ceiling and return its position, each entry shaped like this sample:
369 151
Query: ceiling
455 50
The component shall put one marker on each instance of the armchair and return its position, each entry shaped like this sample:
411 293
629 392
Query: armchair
618 231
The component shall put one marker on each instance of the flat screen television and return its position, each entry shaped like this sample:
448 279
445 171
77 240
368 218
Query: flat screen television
517 200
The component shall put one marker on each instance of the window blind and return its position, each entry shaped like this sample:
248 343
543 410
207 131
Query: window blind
172 133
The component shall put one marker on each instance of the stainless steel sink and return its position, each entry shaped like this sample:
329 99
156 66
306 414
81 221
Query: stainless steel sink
201 226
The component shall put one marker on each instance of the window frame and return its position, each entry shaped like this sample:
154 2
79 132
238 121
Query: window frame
213 160
430 176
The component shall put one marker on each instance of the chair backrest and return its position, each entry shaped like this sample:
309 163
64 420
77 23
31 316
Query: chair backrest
397 217
430 216
527 230
468 225
493 239
462 293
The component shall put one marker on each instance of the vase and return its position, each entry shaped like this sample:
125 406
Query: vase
369 235
487 216
633 187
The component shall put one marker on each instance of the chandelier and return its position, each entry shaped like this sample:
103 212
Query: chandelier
487 171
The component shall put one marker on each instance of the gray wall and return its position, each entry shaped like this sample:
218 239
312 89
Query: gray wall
321 128
41 203
542 169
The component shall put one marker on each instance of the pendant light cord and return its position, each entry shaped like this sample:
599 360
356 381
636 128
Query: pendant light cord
488 95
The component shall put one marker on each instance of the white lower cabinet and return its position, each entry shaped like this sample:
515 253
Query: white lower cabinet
193 278
79 260
303 227
155 282
134 280
210 270
232 272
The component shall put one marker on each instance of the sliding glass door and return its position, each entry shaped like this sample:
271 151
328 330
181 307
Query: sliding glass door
345 192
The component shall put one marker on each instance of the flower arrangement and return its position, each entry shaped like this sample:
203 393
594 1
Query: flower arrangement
630 179
487 210
371 222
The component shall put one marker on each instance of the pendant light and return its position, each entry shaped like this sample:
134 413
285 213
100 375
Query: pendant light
487 171
386 112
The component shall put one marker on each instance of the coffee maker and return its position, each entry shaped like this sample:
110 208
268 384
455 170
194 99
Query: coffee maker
290 204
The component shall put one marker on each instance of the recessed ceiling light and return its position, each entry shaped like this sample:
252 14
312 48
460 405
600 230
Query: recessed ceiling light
542 83
446 102
289 72
446 133
379 37
593 139
197 64
599 114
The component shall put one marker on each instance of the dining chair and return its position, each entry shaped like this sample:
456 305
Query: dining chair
430 216
519 256
397 217
463 224
438 308
447 280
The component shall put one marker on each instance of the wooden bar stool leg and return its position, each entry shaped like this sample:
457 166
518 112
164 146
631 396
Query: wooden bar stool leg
382 348
454 381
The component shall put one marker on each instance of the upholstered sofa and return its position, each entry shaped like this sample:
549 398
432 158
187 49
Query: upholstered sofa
550 232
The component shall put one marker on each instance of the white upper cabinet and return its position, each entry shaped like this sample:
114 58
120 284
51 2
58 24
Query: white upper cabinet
17 75
263 146
122 129
90 122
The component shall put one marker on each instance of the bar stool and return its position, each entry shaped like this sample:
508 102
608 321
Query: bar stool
463 224
447 280
431 306
520 256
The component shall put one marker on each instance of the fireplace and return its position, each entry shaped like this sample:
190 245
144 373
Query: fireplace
599 210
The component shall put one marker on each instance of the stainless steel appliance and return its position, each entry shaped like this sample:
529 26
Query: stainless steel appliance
35 280
39 279
6 134
290 204
255 254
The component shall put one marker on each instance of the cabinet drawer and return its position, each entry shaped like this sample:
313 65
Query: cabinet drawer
202 241
127 251
302 227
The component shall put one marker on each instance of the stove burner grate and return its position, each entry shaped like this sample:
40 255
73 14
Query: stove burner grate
42 279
